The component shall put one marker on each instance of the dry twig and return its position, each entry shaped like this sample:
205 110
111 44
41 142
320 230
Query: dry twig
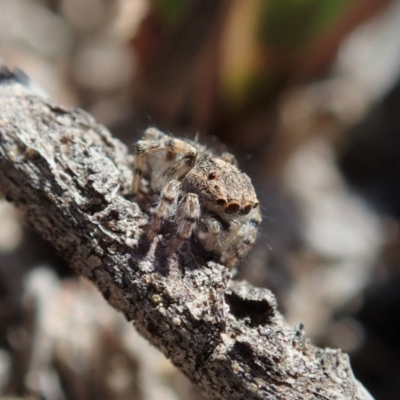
71 180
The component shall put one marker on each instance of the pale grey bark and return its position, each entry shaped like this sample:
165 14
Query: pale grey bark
72 180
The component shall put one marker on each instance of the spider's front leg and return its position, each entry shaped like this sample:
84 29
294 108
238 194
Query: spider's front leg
187 212
187 215
166 158
168 200
244 240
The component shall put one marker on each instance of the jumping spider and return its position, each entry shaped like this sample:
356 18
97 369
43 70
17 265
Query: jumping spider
205 194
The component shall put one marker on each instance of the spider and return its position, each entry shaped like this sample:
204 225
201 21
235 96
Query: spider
205 194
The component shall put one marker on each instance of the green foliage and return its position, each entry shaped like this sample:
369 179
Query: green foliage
170 10
291 23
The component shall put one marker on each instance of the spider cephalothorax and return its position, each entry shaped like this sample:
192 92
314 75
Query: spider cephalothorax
207 194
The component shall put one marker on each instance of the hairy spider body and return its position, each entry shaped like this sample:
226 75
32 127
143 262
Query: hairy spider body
207 195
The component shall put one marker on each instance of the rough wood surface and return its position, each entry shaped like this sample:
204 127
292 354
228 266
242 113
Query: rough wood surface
72 180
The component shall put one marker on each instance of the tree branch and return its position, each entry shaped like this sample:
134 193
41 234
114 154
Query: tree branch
72 180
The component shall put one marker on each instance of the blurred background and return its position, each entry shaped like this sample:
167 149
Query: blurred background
306 94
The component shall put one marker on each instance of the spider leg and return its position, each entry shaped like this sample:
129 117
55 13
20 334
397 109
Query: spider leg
154 134
138 171
187 214
210 233
168 159
166 204
244 241
229 158
176 171
143 149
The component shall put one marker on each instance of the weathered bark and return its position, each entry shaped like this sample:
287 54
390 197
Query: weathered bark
72 180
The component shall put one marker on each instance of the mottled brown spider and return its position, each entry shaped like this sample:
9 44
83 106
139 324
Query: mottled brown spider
206 195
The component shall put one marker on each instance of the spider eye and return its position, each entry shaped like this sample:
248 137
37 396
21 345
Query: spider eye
232 208
247 209
212 175
221 202
255 205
